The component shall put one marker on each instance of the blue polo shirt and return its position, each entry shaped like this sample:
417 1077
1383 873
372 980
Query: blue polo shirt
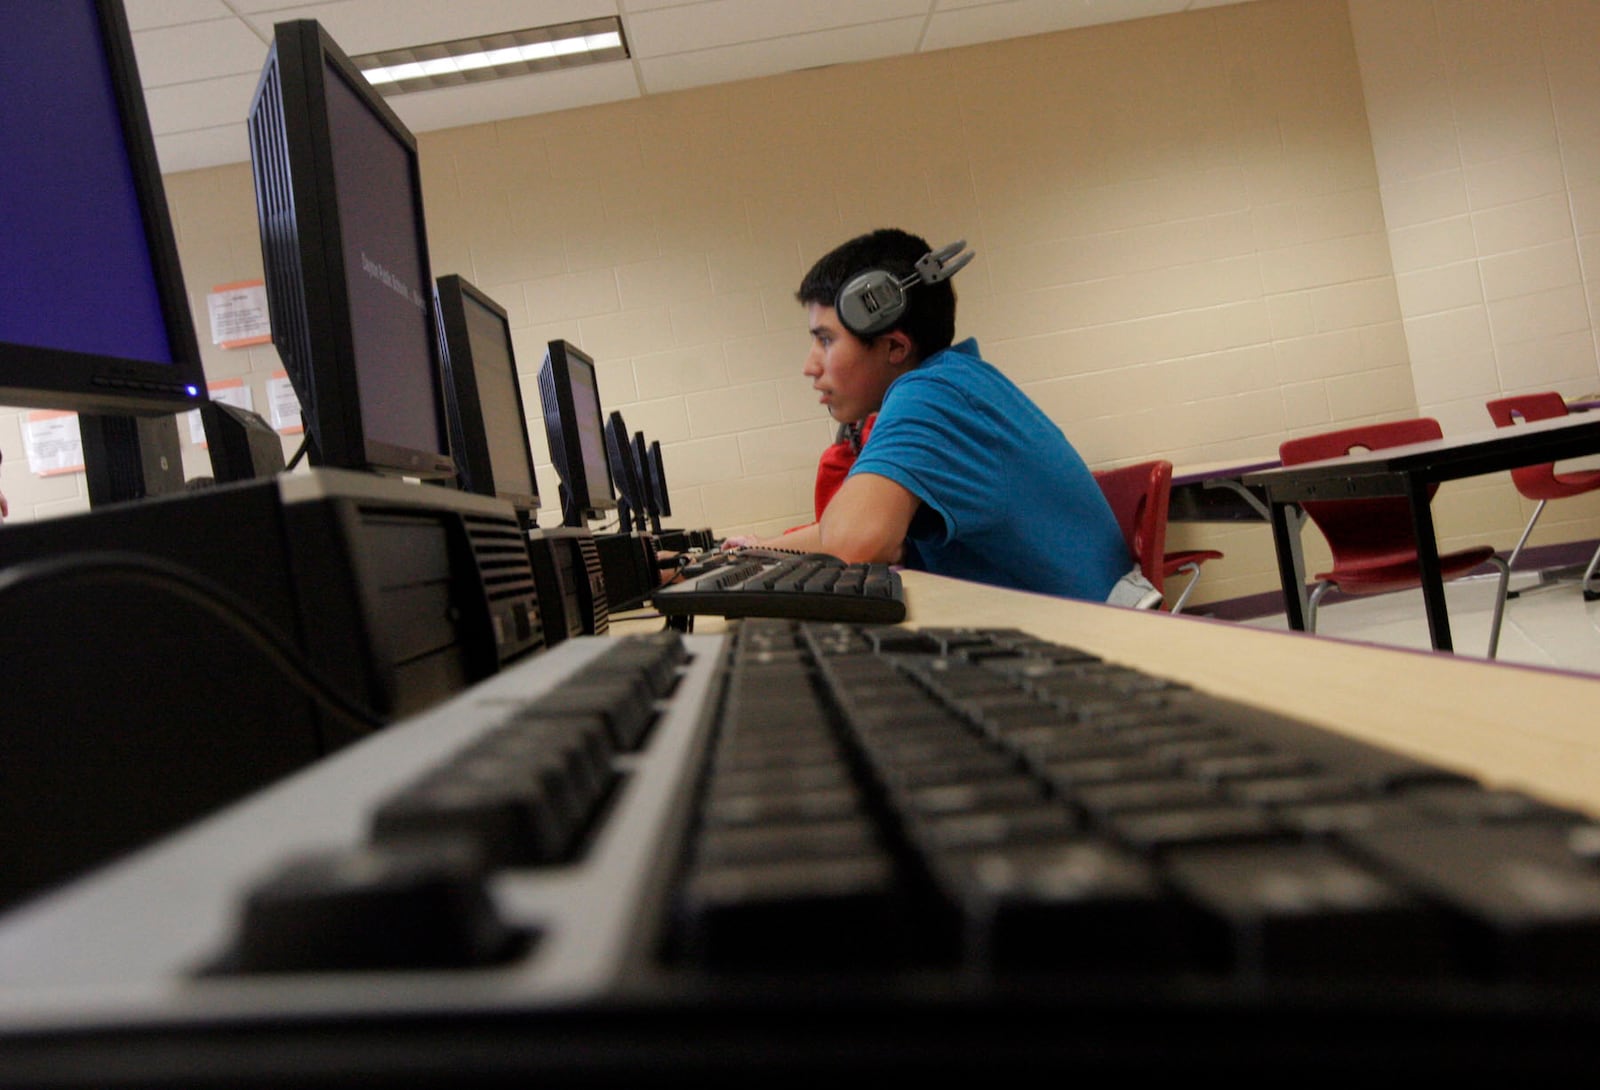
1006 500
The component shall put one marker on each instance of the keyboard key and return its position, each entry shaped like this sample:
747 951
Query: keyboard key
1532 906
795 913
1076 903
522 795
1153 830
417 905
1302 909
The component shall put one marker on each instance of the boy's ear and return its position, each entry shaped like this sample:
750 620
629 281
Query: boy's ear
901 350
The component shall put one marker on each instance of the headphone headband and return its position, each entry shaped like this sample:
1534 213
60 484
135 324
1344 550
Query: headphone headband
873 300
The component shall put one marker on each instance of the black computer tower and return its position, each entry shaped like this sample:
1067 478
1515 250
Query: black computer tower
165 657
572 587
631 567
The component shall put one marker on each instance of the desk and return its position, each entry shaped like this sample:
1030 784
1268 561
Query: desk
1508 725
1218 493
1410 471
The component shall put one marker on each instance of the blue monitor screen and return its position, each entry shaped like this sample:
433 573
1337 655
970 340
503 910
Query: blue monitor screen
75 257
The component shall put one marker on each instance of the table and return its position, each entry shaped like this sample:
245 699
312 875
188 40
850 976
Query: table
1508 725
1218 493
1410 471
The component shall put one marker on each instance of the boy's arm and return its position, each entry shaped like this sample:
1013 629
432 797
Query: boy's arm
866 520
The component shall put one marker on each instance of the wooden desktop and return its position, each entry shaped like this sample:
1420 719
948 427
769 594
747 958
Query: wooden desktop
1511 726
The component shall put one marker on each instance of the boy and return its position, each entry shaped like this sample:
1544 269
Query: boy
964 476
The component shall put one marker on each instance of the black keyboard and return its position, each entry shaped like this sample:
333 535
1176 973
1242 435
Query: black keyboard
814 850
763 582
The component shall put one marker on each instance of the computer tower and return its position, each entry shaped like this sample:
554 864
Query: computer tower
572 587
166 657
630 566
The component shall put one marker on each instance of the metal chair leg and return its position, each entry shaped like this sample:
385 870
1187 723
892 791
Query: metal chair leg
1588 574
1523 540
1194 569
1311 604
1499 603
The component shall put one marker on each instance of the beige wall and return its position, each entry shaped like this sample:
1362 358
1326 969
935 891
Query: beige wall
1196 235
1487 143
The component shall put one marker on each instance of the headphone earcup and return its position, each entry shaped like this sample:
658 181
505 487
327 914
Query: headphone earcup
870 302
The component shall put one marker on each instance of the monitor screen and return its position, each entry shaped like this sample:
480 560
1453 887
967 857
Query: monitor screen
573 423
95 317
488 431
657 470
345 250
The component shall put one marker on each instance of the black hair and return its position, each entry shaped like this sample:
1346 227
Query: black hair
930 317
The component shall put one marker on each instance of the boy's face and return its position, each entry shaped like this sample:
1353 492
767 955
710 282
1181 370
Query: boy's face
852 375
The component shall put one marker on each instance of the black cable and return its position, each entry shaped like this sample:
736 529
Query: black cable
211 597
300 452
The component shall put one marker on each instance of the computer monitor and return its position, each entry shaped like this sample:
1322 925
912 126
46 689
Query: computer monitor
96 319
345 252
483 397
647 485
570 395
624 473
657 470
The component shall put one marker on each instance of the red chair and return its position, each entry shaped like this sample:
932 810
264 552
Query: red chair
1373 545
1542 482
1186 560
1139 494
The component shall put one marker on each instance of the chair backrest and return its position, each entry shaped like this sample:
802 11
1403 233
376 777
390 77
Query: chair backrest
1367 527
1138 495
1536 482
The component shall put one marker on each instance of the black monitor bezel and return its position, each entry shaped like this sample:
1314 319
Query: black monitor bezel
49 378
647 486
306 310
470 442
624 474
582 499
657 470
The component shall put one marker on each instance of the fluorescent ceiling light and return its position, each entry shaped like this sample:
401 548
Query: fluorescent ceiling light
496 56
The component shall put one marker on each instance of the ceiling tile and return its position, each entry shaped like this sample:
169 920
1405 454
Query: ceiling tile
732 22
203 148
788 54
219 101
145 14
197 51
519 96
652 5
1017 18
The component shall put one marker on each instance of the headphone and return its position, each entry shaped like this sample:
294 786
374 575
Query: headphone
872 301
